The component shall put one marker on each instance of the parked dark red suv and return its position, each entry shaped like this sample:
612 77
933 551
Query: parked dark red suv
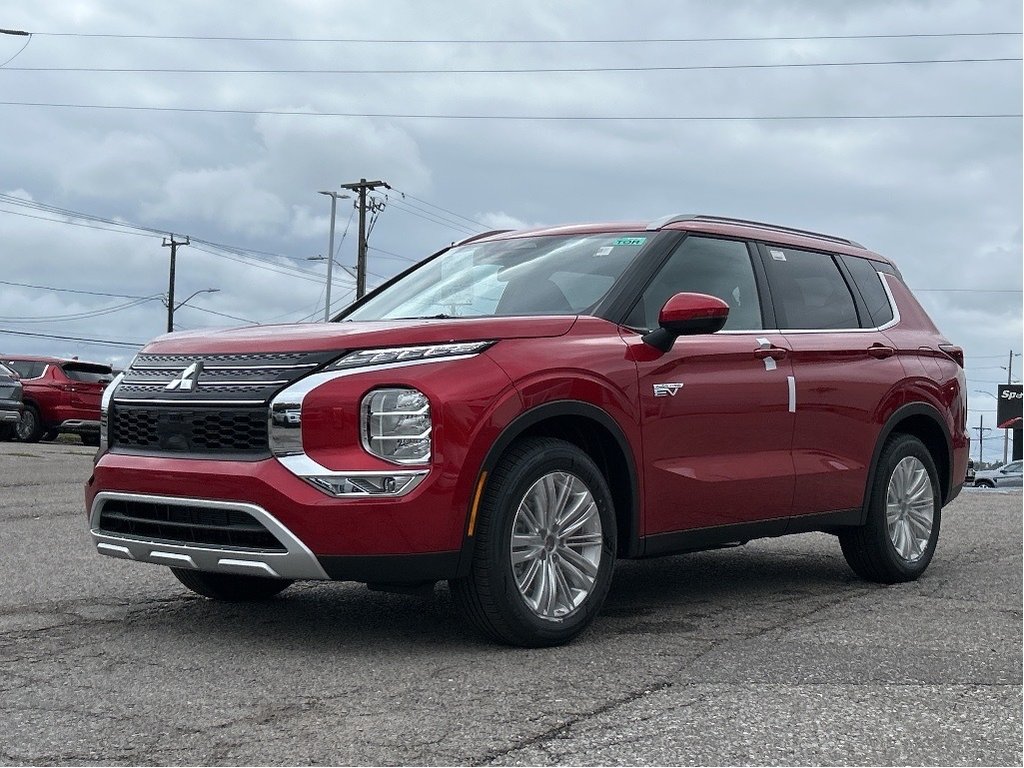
61 396
517 411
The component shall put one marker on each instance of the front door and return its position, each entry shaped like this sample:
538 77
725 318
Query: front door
716 417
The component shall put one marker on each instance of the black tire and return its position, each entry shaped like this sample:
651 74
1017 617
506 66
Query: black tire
91 439
50 435
869 549
984 484
489 597
30 428
229 587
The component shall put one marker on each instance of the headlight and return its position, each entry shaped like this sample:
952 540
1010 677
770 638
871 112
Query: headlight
395 425
366 357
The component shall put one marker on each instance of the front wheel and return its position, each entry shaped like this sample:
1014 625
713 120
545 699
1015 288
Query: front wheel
904 512
229 587
545 546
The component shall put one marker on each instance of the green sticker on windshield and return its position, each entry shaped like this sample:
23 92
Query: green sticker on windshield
630 241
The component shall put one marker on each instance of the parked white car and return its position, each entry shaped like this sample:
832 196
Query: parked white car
1007 476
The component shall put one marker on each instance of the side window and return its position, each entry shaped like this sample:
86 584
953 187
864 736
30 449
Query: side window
27 369
808 290
719 268
869 283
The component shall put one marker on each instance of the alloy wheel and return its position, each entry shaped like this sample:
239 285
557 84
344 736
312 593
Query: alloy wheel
556 545
26 424
910 508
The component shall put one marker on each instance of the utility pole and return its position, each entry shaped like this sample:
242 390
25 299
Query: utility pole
361 187
1006 432
330 253
981 429
170 242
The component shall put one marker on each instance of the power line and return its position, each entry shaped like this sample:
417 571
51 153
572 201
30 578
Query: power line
529 41
446 210
220 314
511 70
447 224
391 253
100 342
454 220
542 118
79 315
70 290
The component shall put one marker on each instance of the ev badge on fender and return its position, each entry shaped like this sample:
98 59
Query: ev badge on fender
189 377
666 390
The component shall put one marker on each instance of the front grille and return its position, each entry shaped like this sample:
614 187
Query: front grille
209 405
190 430
6 390
187 524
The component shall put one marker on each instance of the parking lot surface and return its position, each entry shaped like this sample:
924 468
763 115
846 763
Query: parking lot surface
768 653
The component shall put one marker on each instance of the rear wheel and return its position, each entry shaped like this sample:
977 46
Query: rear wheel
29 427
904 512
545 546
228 586
984 484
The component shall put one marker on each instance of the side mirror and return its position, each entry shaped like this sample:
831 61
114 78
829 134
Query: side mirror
687 314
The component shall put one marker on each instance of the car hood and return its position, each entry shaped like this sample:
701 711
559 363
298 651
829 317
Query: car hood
312 337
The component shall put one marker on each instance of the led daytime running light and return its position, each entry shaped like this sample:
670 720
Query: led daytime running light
365 357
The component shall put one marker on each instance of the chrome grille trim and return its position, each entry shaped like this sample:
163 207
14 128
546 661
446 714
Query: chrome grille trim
297 562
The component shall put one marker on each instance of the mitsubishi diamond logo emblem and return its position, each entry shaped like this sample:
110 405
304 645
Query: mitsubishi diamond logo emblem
188 379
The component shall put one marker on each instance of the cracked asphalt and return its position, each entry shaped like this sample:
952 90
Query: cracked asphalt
769 653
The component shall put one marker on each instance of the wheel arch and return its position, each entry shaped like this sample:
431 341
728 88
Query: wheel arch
925 422
596 433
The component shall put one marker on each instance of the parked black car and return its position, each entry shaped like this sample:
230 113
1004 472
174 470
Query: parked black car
10 402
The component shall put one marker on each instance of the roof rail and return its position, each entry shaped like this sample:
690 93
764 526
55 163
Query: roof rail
666 220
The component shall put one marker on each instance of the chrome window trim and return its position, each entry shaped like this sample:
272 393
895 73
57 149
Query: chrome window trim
297 562
788 331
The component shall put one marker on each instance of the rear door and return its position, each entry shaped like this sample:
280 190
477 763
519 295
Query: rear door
715 408
844 367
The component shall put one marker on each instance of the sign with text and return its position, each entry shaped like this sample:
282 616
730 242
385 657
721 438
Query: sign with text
1008 414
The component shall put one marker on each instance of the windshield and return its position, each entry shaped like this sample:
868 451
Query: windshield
550 275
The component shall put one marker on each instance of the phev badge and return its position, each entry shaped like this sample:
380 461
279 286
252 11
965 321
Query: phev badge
667 390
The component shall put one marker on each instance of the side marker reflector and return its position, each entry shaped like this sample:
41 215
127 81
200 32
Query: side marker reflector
476 502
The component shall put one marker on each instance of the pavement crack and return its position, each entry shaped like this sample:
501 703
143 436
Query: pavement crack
540 740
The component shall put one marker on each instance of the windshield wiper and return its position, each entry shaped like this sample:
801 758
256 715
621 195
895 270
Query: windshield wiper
429 317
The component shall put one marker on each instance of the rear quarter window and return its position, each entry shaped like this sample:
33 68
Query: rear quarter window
27 369
869 283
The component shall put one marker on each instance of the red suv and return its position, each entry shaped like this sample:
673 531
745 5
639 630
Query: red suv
61 396
519 410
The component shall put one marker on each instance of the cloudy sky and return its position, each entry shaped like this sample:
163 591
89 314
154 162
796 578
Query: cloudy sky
240 169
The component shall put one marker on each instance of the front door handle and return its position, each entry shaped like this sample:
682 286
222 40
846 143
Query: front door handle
881 351
776 353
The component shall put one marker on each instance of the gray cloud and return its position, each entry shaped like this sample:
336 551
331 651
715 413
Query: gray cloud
942 198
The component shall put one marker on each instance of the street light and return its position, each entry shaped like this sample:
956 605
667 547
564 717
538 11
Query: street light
330 250
180 304
983 392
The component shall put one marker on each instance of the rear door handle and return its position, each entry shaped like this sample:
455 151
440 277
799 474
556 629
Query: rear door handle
881 351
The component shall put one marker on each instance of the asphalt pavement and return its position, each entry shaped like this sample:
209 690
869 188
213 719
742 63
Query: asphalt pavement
772 653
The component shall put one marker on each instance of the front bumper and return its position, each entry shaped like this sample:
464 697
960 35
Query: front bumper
79 426
395 540
10 414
